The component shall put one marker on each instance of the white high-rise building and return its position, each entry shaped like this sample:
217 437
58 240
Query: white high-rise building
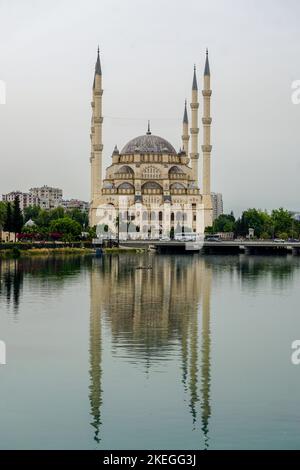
49 198
217 204
25 199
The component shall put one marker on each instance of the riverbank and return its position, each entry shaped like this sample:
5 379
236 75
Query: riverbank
16 252
124 250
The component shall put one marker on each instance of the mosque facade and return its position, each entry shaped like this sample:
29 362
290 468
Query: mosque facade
150 187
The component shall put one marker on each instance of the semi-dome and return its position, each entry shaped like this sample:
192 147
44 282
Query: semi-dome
148 144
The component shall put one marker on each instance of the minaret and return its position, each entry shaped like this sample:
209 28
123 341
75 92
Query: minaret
185 131
96 141
194 129
206 147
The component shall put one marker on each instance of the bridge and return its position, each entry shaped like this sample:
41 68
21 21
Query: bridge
248 247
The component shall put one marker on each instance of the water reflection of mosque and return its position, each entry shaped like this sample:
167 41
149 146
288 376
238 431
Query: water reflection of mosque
149 311
146 311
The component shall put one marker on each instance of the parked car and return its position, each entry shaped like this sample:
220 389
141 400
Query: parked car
212 239
279 240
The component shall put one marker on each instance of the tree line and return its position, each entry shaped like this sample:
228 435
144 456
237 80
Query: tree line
57 223
280 223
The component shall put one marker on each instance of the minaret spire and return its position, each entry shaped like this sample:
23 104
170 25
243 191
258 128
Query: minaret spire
185 115
194 129
206 147
195 85
206 68
96 141
185 131
98 70
148 131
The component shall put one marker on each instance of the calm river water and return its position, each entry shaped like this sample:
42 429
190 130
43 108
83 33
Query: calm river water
194 353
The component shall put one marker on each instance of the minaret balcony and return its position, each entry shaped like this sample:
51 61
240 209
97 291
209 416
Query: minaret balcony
98 147
206 148
206 121
207 93
98 120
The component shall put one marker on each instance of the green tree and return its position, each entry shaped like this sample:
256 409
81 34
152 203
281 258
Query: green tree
2 214
259 220
92 233
224 223
80 216
70 229
209 230
31 212
17 216
282 221
8 225
43 219
56 213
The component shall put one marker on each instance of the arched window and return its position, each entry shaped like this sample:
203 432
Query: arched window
125 169
174 170
177 186
152 187
126 186
179 216
151 173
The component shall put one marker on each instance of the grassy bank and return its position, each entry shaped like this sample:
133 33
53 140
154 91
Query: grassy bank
17 253
124 250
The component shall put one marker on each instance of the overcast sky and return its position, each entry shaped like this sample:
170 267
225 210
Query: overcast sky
148 48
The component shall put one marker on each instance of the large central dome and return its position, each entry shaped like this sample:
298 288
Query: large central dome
148 144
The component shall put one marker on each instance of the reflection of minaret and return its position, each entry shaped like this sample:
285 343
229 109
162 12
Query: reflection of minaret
193 383
95 353
196 274
151 313
205 362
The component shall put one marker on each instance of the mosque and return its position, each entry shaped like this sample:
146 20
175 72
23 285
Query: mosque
148 180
